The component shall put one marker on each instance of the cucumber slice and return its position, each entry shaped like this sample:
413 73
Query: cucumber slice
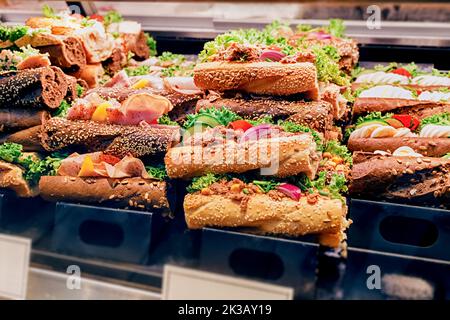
208 119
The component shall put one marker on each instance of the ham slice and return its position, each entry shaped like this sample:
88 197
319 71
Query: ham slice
183 85
119 80
128 167
140 107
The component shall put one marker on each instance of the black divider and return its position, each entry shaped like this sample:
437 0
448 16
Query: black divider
402 229
378 275
26 217
105 233
278 261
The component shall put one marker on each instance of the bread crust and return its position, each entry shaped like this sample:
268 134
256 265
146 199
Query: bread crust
11 178
295 154
261 212
432 147
272 78
366 105
423 180
136 193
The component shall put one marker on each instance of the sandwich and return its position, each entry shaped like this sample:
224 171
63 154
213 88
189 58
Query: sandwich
429 136
259 62
29 97
219 141
317 115
409 75
332 35
254 71
403 175
20 171
103 179
388 98
180 91
293 206
115 139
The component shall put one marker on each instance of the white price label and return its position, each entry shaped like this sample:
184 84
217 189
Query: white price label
14 265
187 284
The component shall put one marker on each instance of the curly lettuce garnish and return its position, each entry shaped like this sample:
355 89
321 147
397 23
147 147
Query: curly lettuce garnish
151 44
157 172
289 126
112 17
199 183
336 28
442 119
336 148
33 167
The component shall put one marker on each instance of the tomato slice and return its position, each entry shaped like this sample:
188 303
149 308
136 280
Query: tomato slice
405 119
240 125
415 124
97 17
402 72
112 160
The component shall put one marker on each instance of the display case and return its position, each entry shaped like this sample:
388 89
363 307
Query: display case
122 252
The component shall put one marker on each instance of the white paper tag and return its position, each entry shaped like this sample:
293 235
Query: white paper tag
188 284
14 265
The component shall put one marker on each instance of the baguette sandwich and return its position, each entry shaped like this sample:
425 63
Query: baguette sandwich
404 175
292 206
99 178
410 76
218 141
429 136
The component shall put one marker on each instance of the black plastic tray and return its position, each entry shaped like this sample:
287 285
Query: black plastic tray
105 233
402 277
27 217
403 229
274 260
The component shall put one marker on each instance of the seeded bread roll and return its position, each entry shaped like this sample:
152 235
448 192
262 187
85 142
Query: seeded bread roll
432 147
272 78
286 156
136 193
89 136
413 179
41 88
261 212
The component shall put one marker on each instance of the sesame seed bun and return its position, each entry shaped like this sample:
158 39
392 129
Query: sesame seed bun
272 78
267 215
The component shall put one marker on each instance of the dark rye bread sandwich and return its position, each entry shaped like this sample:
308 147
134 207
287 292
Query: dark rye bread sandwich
269 78
420 180
315 114
118 140
36 88
98 178
64 51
